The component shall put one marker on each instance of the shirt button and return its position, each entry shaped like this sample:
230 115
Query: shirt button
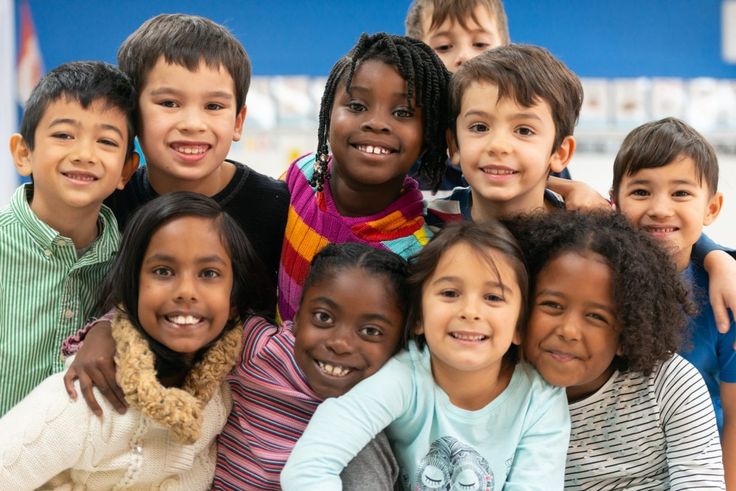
60 242
69 314
47 252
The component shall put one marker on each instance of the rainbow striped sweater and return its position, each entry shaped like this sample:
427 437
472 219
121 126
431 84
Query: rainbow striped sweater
313 222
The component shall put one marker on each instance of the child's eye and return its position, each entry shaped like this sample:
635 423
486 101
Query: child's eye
168 103
639 193
681 194
494 297
213 106
210 273
62 136
109 142
162 271
355 106
598 318
320 317
479 127
481 45
404 113
525 131
371 331
449 293
550 306
442 48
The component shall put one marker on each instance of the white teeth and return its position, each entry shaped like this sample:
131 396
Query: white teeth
80 177
334 370
184 320
468 337
499 172
373 149
662 229
190 149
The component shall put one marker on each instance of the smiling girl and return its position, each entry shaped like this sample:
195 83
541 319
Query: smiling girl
384 107
608 311
184 277
460 410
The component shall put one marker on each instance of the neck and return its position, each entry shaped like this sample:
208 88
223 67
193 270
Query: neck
358 200
482 209
472 390
210 185
682 258
78 224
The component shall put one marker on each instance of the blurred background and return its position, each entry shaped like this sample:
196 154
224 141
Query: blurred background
639 60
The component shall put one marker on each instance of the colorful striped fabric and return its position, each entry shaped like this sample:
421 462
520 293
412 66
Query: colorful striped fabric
272 405
314 222
46 293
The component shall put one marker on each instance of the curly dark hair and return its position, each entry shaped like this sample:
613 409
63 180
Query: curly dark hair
652 303
427 82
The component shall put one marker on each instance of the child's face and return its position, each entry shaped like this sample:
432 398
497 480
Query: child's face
348 325
455 44
374 137
185 283
573 336
78 158
669 204
188 122
505 150
469 312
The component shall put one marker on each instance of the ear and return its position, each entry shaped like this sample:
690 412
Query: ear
612 199
619 350
233 312
713 209
562 156
517 338
239 121
452 147
419 328
21 154
129 168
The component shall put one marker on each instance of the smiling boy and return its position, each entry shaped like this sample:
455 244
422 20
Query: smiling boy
56 237
665 181
515 110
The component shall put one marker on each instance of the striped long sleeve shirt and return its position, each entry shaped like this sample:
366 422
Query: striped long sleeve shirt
46 293
651 432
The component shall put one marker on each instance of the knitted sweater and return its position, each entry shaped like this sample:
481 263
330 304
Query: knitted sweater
314 221
166 440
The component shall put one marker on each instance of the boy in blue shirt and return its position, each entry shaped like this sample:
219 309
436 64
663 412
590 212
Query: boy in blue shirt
56 238
665 181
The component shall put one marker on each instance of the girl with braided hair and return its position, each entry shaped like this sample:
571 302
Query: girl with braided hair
384 107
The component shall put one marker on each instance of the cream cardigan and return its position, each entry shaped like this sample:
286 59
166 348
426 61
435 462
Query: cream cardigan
166 440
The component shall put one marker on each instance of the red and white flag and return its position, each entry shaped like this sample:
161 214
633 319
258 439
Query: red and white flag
30 64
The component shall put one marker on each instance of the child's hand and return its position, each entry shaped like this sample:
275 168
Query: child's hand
577 194
94 367
721 268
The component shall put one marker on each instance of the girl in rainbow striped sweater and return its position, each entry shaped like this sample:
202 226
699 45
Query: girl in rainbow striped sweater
384 107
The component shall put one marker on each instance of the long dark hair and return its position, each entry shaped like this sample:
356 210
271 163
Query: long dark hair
121 285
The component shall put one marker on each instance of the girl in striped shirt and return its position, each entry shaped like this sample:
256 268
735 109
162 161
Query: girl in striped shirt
607 313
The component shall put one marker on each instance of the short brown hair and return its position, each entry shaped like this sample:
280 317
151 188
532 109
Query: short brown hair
185 40
658 143
527 74
459 11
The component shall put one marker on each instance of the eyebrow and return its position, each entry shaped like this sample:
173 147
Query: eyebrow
491 284
77 124
638 182
335 306
486 114
214 258
360 88
222 94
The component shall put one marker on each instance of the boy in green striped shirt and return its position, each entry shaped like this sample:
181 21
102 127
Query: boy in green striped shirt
56 238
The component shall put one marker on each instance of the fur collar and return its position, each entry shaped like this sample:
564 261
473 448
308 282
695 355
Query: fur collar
179 410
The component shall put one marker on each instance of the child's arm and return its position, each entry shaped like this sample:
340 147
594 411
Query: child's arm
42 435
94 366
341 427
721 269
539 461
689 425
577 194
728 438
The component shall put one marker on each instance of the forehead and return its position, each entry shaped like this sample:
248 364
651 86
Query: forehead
98 113
188 236
682 169
205 78
584 275
476 263
353 288
484 95
479 20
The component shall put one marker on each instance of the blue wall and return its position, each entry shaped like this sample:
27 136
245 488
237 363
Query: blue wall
624 38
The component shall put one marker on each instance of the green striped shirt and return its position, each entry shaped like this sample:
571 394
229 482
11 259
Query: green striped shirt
46 293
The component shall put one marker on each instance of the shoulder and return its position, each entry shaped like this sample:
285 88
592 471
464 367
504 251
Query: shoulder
250 183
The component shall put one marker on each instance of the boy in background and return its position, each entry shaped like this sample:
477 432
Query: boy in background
192 76
665 181
57 239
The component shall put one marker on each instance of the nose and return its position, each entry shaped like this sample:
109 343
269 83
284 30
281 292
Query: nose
376 121
569 328
191 120
470 309
186 290
340 340
498 141
660 205
84 151
463 55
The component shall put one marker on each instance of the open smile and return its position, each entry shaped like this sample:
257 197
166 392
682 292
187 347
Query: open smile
374 149
469 337
184 321
79 177
332 369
